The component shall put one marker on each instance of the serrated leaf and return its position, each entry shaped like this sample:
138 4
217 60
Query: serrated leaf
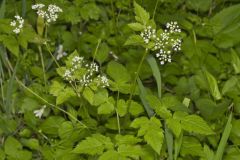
191 146
118 72
151 130
136 26
93 145
51 125
127 139
175 126
130 151
194 123
142 15
134 40
88 94
107 107
110 155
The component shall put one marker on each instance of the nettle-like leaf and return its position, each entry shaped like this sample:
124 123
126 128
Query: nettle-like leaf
94 145
196 124
159 107
151 130
61 92
142 15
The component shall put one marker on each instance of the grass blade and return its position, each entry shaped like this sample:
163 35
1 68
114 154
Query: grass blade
224 139
156 73
3 9
143 94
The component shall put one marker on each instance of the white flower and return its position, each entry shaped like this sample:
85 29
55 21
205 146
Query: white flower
60 52
148 34
38 113
18 23
50 15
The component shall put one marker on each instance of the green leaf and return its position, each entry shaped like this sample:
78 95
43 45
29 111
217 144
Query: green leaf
90 11
151 130
110 155
3 9
11 43
2 155
63 94
107 107
143 95
229 85
134 40
31 143
51 125
130 151
175 126
94 145
127 139
213 86
142 15
159 108
135 108
156 73
118 72
122 107
235 61
191 146
136 26
88 94
224 139
13 149
194 123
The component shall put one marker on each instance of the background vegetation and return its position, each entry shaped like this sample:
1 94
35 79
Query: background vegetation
184 110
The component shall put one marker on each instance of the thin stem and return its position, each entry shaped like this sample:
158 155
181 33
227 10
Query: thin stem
155 9
96 50
118 120
136 75
54 59
43 65
50 104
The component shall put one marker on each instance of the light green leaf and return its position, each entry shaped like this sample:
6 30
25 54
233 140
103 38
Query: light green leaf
130 151
93 145
88 94
191 146
175 126
110 155
142 15
194 123
118 72
11 43
51 125
107 107
134 40
235 61
213 86
224 139
136 26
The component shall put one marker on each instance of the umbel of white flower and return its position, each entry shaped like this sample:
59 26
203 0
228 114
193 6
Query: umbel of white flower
166 43
91 73
50 14
17 23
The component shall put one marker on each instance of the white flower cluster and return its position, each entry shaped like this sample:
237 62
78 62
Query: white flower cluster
51 14
18 23
166 43
91 74
148 34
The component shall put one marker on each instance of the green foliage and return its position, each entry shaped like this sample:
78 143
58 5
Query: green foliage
94 84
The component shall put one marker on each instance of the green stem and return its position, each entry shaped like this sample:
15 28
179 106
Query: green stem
54 59
154 12
43 65
96 50
118 120
50 104
136 76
